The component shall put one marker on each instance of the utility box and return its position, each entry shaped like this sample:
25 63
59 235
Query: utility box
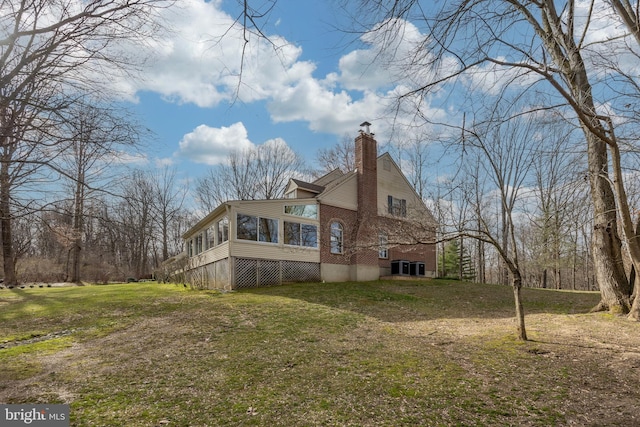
416 268
400 267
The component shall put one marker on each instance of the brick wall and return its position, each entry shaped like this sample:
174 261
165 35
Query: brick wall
367 216
402 236
362 227
348 219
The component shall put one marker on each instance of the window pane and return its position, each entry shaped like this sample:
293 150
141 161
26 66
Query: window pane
268 230
291 233
306 211
223 230
397 207
211 237
336 238
198 244
309 235
382 250
247 228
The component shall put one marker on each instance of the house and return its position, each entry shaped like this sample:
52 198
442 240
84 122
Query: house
355 226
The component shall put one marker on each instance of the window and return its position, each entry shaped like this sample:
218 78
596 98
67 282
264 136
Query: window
336 238
190 248
222 228
291 233
198 244
397 207
247 227
257 229
306 211
300 234
211 236
383 249
268 231
309 235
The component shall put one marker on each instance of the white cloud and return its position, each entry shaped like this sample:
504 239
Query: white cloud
199 62
212 145
164 162
201 59
389 54
201 66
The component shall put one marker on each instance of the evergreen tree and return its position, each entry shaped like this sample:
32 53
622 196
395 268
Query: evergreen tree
457 262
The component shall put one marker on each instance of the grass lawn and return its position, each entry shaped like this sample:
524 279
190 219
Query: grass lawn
349 354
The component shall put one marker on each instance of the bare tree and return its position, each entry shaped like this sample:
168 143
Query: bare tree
23 153
168 205
256 173
211 190
341 156
50 52
552 52
96 136
503 153
559 186
133 216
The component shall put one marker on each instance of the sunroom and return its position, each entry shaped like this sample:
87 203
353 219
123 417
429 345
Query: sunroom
255 243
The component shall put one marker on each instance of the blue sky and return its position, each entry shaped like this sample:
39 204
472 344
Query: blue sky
317 86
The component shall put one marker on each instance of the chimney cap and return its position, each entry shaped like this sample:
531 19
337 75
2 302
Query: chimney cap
366 125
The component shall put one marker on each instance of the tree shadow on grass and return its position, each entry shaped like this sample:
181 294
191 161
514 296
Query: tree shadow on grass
402 301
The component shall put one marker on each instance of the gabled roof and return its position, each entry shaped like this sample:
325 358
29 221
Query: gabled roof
329 177
303 185
337 186
394 165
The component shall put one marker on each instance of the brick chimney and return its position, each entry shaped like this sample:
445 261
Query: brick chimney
365 259
366 165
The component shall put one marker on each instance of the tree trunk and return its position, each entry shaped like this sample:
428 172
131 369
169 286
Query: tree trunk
482 271
634 282
606 244
8 256
460 261
78 216
517 286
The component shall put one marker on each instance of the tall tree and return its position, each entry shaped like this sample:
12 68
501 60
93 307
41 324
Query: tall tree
168 206
558 191
51 51
23 153
134 218
547 44
96 137
504 153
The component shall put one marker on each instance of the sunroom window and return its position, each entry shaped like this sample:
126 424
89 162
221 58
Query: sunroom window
257 229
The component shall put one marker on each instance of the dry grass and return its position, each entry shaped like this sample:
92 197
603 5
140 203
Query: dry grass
360 354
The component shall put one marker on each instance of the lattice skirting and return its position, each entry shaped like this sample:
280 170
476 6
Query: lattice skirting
211 276
251 272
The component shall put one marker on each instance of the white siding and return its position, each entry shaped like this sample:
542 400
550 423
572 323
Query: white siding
210 255
279 251
393 183
343 195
